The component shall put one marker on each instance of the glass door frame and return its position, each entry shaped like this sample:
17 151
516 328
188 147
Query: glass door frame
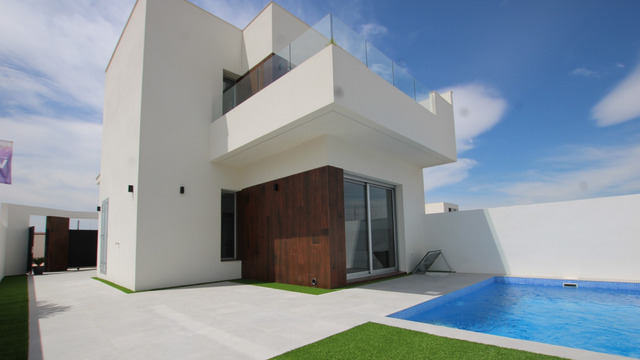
355 179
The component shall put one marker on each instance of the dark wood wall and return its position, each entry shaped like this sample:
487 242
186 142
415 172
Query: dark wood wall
291 230
83 248
56 244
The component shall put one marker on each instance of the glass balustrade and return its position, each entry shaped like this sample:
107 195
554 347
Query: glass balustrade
327 31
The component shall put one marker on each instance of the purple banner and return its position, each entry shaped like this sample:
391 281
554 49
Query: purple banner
6 152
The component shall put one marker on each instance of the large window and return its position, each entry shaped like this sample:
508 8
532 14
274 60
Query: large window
228 226
228 94
369 228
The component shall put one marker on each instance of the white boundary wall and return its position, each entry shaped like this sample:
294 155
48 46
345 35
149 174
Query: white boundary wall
3 248
587 239
14 232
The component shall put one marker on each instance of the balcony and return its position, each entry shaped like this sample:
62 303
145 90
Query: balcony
327 31
331 82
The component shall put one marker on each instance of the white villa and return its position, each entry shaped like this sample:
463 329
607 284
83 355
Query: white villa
290 153
278 152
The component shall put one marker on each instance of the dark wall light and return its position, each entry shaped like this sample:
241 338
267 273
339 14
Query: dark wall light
98 208
181 189
130 188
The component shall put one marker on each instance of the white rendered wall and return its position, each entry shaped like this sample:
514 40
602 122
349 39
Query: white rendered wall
178 235
269 32
121 149
307 156
286 27
588 239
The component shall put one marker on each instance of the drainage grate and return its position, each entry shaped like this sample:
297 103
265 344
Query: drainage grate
570 285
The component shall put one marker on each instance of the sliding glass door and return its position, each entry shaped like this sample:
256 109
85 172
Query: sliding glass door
357 235
369 228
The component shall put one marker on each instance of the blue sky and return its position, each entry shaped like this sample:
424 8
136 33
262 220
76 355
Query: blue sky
546 92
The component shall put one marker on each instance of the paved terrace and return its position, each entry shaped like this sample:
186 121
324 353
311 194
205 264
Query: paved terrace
75 317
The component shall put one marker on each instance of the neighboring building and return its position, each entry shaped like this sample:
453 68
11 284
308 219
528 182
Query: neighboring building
313 179
441 207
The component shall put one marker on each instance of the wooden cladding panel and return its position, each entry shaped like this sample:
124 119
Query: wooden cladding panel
253 225
336 224
57 244
291 230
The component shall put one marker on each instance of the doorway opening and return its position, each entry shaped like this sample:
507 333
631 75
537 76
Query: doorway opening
370 228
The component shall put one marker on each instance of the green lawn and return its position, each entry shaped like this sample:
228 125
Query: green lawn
308 289
287 287
272 285
375 341
116 286
14 318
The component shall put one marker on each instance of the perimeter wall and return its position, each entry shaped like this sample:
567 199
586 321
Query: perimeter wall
3 248
588 239
14 232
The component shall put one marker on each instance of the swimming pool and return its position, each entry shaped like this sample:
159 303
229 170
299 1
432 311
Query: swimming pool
589 315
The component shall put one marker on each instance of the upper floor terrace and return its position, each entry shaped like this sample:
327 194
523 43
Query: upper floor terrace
330 81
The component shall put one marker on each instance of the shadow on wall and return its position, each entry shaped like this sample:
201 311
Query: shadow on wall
443 232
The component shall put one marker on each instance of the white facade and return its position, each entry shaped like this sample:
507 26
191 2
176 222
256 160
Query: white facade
440 207
581 239
160 133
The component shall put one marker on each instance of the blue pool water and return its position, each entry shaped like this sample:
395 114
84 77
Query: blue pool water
596 316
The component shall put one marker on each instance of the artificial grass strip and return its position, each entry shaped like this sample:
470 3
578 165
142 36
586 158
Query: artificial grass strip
376 341
14 318
121 288
287 287
307 289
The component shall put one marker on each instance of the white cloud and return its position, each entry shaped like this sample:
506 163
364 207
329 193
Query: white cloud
447 174
583 71
477 109
621 104
52 60
372 30
583 172
55 162
62 46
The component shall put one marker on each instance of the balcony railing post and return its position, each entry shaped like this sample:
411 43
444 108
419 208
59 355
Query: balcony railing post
393 75
414 89
331 27
366 54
